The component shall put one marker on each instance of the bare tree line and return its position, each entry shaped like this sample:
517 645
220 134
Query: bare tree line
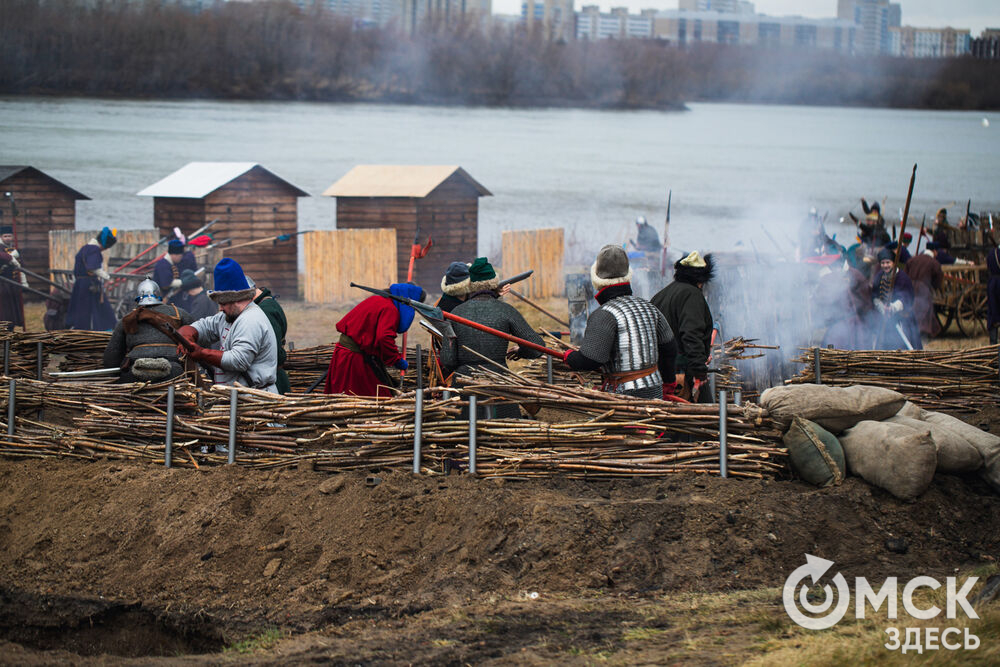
278 51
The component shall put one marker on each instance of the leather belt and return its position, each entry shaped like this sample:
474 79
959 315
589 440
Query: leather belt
616 379
348 342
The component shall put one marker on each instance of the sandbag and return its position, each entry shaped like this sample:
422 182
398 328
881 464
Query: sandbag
893 457
815 453
911 410
987 444
834 408
954 453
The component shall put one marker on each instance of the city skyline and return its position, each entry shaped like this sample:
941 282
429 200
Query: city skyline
974 15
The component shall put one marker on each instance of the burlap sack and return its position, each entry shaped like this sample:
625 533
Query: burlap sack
815 453
987 444
893 457
954 453
912 410
834 408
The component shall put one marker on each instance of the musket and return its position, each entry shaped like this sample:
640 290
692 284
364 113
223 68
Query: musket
515 279
538 308
920 238
13 215
44 280
274 239
899 247
30 289
165 239
436 314
82 374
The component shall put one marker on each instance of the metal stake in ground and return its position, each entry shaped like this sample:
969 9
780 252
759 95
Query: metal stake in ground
233 400
169 450
723 417
472 434
418 416
11 392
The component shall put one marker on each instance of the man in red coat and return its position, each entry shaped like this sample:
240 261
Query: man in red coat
368 344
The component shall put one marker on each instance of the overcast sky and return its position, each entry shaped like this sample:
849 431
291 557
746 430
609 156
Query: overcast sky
972 14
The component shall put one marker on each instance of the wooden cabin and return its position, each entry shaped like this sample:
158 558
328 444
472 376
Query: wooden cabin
440 202
250 203
37 204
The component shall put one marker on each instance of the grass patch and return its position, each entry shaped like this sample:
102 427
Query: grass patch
265 640
641 634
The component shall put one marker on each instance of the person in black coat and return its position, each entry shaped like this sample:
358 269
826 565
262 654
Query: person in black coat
683 304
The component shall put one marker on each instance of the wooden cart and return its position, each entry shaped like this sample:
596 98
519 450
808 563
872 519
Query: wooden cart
962 299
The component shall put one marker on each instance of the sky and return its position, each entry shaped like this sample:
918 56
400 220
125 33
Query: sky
972 14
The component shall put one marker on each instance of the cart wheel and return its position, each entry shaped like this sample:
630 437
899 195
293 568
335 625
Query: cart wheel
971 315
944 315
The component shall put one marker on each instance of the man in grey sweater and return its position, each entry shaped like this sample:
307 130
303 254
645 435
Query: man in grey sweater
248 351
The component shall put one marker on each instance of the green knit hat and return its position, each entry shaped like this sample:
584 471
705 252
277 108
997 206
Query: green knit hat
482 276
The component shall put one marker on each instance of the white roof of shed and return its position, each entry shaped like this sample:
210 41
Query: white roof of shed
196 180
398 180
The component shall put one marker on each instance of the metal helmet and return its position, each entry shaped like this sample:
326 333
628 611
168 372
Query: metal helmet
148 293
641 220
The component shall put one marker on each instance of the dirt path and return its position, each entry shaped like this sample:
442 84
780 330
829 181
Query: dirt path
176 562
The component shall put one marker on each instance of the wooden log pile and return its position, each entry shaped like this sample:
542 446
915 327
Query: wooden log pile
606 436
942 380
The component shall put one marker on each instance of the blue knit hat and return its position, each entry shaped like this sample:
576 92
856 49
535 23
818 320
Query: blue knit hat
175 247
230 283
406 312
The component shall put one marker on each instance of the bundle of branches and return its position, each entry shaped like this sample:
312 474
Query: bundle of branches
942 380
82 350
305 365
63 402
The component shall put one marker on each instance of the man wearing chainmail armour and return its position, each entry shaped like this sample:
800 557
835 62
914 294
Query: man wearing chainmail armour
484 306
627 338
143 352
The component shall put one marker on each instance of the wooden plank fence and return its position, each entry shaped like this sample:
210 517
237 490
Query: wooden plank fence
335 258
538 249
64 244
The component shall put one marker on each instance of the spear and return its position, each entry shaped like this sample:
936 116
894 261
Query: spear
434 313
666 237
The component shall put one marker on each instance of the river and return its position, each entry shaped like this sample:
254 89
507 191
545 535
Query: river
732 168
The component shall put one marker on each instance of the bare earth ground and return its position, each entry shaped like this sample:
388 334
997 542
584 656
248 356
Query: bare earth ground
111 563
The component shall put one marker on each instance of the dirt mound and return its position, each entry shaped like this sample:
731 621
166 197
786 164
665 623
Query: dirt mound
299 549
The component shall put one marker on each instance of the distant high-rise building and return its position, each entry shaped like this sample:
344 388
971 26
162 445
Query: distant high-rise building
874 17
417 12
910 42
686 27
555 17
724 6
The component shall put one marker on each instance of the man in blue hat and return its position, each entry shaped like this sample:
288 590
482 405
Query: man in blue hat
89 308
168 269
248 351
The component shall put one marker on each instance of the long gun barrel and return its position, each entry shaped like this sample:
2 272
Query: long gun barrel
434 313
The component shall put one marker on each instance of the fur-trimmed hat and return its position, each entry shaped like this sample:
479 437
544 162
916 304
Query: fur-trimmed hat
175 247
694 269
190 280
455 281
610 268
6 229
230 283
482 277
886 254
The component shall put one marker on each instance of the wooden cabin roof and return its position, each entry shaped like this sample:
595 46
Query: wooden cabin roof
197 180
7 171
398 180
